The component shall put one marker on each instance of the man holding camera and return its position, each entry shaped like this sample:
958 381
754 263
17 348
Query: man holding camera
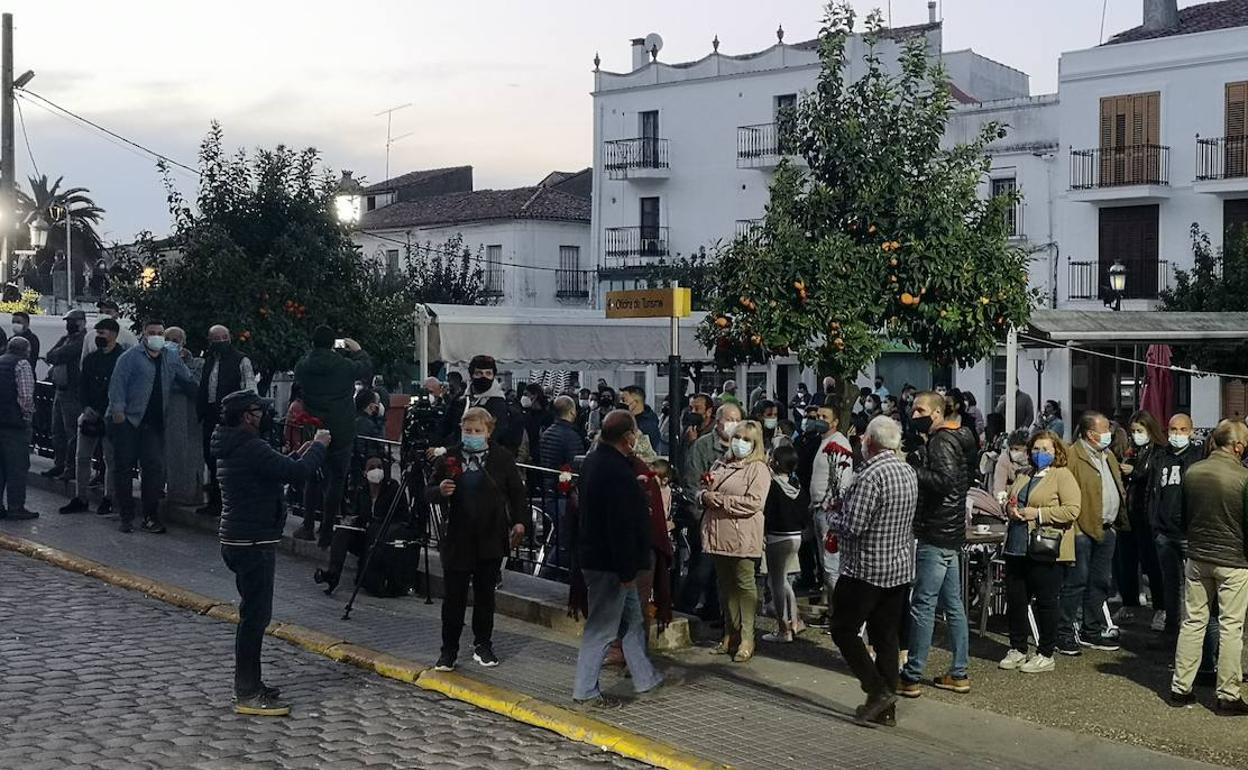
327 377
251 474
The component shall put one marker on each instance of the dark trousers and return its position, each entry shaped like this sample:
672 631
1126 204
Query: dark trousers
253 567
14 465
1085 587
484 578
145 445
1029 581
855 602
1136 551
328 491
1170 555
212 414
66 408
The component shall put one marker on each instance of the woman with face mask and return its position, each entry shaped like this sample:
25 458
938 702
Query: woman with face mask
1136 550
1045 500
732 497
372 502
1013 461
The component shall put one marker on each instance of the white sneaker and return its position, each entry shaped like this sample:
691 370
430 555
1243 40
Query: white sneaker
1012 660
777 638
1038 664
1159 620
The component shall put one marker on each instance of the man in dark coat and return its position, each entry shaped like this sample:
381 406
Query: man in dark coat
65 358
561 443
252 518
613 545
225 371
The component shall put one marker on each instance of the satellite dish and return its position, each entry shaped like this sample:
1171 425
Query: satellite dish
654 43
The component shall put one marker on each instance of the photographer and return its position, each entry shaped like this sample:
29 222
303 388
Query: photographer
371 504
251 474
327 378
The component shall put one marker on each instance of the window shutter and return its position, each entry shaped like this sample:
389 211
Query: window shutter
1108 105
1236 105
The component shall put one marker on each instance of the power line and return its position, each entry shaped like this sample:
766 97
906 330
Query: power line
26 136
1168 367
457 255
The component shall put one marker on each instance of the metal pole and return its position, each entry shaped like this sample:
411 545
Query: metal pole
69 262
675 393
8 200
1011 379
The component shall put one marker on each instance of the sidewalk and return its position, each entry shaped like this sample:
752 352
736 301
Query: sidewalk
791 713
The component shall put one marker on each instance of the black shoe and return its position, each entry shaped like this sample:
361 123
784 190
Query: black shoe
22 514
77 505
1069 647
484 654
888 717
1104 642
601 703
876 706
1180 699
1205 679
330 579
105 509
153 526
1232 708
53 472
324 540
126 527
262 705
446 662
4 514
821 621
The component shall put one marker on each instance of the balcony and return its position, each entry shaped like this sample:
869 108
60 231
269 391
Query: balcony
573 284
763 146
1131 173
1146 279
748 229
642 158
630 248
493 280
1221 165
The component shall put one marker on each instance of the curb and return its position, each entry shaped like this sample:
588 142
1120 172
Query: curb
508 703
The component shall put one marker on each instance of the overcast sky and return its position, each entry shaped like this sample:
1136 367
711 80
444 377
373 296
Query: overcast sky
498 84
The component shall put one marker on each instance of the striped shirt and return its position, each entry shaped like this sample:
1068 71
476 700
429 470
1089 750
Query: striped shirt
876 523
25 387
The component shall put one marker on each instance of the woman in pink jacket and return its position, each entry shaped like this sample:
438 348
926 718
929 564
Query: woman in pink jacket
733 494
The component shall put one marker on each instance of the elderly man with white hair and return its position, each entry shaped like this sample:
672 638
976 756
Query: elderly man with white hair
225 371
875 526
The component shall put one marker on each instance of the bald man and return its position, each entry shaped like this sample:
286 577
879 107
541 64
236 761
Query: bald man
1168 520
225 371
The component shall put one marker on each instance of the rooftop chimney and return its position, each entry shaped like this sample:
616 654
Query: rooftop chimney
641 57
1161 14
931 11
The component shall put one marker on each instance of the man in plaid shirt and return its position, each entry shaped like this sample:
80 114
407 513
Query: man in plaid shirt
875 526
17 405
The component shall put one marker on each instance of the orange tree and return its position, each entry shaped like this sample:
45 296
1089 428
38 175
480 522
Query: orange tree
882 235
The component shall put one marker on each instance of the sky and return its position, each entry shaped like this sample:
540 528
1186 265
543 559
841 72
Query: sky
497 84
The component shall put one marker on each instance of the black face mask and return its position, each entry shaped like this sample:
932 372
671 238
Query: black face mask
220 347
71 326
922 425
481 384
101 343
818 427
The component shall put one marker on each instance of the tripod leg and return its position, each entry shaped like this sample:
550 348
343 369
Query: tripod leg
372 547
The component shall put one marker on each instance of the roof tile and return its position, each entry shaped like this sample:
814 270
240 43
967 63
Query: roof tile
1205 17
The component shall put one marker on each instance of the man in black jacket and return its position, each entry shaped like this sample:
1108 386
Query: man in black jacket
21 328
940 527
613 545
560 445
252 519
633 398
93 381
65 358
225 371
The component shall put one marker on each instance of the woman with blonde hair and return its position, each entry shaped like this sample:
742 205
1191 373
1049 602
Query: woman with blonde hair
733 495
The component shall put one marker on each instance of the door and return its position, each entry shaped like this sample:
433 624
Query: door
1130 139
1128 234
651 236
1006 186
649 128
786 121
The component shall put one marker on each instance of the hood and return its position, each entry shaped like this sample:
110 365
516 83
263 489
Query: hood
320 361
226 440
479 399
786 485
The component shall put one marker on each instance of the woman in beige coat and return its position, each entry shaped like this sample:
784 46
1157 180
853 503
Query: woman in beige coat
733 495
1045 499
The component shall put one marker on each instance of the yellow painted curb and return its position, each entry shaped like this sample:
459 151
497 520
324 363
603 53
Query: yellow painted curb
508 703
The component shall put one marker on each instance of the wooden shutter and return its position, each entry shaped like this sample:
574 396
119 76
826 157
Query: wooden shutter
1236 105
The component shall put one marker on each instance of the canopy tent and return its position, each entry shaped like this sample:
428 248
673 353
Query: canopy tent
1134 327
554 338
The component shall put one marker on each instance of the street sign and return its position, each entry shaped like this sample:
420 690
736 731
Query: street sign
650 303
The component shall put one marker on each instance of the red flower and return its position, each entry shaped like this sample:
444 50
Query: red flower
453 468
707 479
830 543
834 448
565 480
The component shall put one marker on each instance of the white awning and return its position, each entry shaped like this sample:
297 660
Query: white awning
554 338
1139 327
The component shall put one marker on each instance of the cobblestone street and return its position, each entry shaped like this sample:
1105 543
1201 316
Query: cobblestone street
99 677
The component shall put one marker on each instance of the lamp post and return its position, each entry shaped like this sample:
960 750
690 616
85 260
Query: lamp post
348 200
1117 285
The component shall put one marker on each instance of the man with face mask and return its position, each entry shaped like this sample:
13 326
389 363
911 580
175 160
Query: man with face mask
225 370
252 517
1102 510
125 338
138 394
832 472
1168 517
65 358
485 391
21 328
97 372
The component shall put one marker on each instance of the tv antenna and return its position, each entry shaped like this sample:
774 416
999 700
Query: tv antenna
390 138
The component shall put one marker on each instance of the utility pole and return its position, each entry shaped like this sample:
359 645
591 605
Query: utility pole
8 200
389 138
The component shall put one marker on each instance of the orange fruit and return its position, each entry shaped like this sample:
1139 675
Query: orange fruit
721 322
908 299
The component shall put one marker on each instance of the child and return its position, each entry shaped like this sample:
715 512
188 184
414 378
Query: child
663 475
784 517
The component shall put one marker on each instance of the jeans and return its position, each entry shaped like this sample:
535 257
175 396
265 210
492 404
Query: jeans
65 411
830 563
1137 552
779 556
484 578
82 466
14 465
1230 586
937 584
1086 586
738 593
328 491
612 607
253 567
1027 581
855 602
145 445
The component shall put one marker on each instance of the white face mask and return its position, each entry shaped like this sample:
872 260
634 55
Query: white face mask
586 404
741 448
375 476
155 342
770 423
1018 456
525 402
19 328
1140 437
1179 441
730 428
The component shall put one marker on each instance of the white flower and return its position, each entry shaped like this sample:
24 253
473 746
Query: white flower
565 477
439 451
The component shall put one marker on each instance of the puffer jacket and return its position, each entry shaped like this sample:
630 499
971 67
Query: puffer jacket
251 474
327 378
943 483
736 528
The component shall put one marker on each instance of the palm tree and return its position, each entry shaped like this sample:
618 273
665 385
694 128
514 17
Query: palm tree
53 205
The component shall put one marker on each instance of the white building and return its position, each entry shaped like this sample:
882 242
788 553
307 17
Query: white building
533 241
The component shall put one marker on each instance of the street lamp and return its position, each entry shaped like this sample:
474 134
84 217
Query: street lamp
1117 285
39 232
348 200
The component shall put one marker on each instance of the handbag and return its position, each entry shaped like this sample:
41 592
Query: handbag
1044 544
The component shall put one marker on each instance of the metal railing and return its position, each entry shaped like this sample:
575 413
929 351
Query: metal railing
766 140
1146 279
647 152
633 246
1221 157
494 280
1135 164
748 229
573 284
1014 221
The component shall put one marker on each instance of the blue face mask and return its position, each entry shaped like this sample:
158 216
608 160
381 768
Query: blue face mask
474 443
1105 440
1042 460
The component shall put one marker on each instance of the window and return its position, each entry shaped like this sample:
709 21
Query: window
649 129
651 235
570 280
1006 186
786 122
1128 234
1236 129
569 257
392 261
1130 139
494 270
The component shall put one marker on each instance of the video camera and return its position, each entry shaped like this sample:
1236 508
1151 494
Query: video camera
422 424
